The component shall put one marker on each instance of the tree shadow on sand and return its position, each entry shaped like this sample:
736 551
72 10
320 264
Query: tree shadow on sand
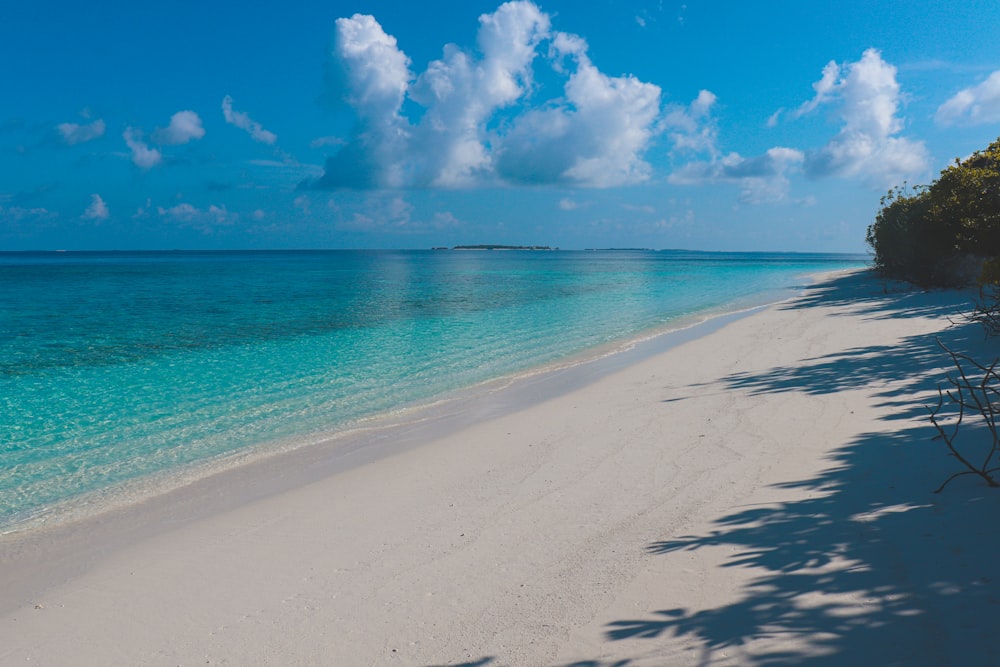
868 567
913 366
874 297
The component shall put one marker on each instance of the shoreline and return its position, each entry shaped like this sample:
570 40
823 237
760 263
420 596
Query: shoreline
125 514
758 491
600 360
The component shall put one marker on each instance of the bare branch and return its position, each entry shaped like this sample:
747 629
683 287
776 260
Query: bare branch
976 396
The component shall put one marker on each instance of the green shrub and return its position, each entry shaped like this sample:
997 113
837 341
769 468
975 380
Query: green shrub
924 235
909 240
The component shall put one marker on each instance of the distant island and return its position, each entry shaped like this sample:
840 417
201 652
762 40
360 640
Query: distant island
621 250
499 247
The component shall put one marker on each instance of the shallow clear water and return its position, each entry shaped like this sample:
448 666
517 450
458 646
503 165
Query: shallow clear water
115 366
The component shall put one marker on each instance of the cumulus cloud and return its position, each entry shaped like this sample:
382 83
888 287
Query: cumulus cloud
594 134
377 70
22 213
867 98
205 220
303 203
143 156
692 128
444 220
74 133
183 212
143 211
462 93
824 88
594 137
373 74
243 121
97 210
762 179
977 105
184 126
379 213
221 215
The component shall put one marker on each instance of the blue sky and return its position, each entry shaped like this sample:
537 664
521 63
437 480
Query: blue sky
382 124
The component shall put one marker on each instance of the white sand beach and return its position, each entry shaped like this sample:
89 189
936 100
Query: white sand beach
762 494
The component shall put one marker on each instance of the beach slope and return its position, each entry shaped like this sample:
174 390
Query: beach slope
762 494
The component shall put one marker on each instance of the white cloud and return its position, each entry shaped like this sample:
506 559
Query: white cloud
567 204
182 212
977 105
867 99
73 133
303 203
443 220
221 215
594 135
143 211
205 220
374 74
184 126
97 210
379 213
762 179
462 93
20 213
142 155
824 88
243 121
377 70
692 128
508 39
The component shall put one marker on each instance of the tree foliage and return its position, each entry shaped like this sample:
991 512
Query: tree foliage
929 234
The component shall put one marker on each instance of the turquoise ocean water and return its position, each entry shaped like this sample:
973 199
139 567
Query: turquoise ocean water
115 367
